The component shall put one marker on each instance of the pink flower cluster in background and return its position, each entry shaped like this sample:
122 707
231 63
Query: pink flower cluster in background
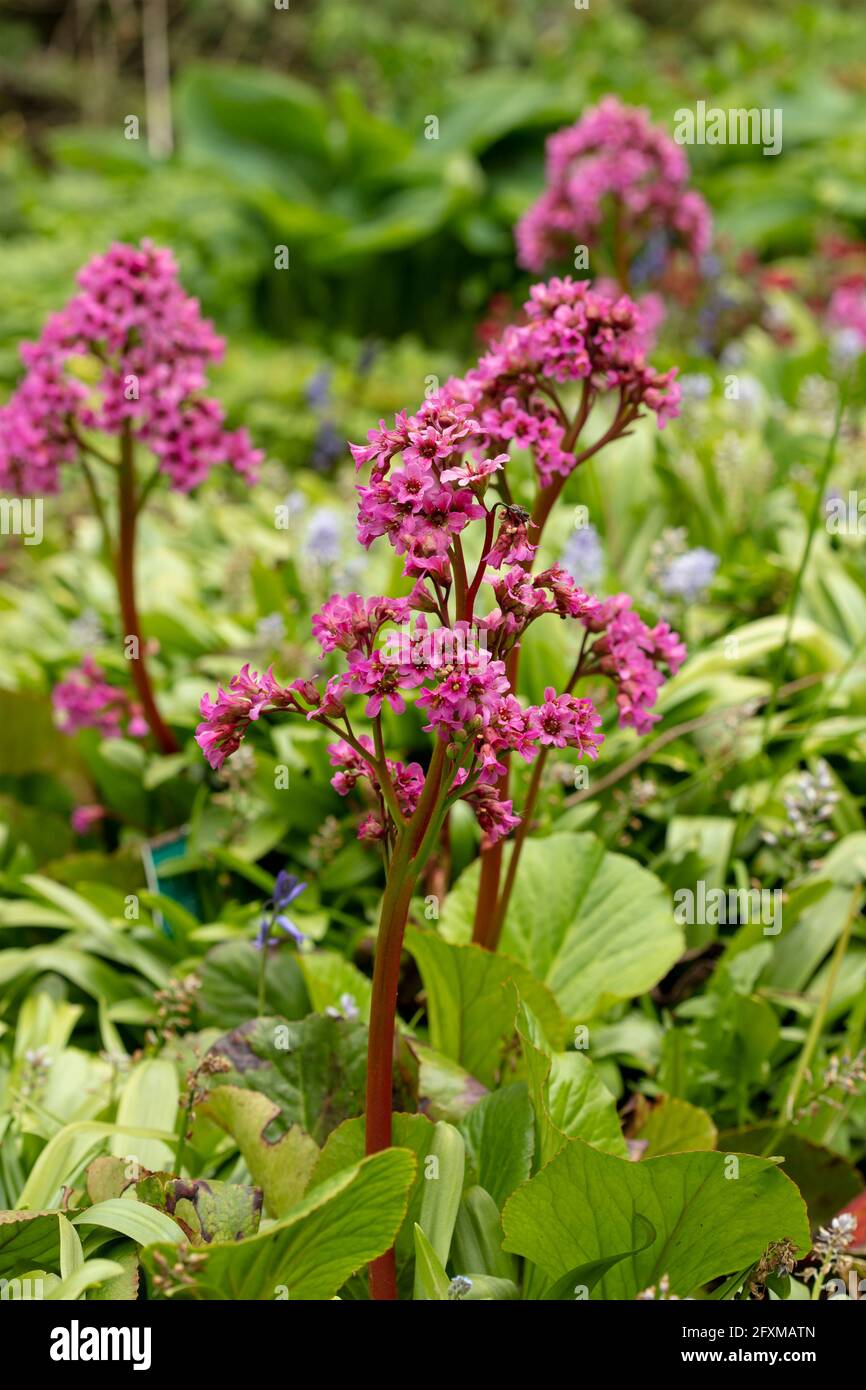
846 314
612 155
153 349
86 700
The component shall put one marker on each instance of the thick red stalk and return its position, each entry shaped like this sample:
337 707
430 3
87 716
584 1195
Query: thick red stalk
125 576
410 853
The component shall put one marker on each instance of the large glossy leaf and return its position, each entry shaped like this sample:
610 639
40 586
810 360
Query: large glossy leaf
337 1229
470 1007
594 926
712 1214
314 1070
345 1146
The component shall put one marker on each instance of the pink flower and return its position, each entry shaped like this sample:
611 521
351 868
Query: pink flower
613 156
564 721
86 700
152 349
631 654
381 679
352 623
226 719
83 818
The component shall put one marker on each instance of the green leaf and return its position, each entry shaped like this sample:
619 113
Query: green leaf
446 1091
673 1126
122 1287
345 1146
581 1208
330 977
28 1239
471 1011
594 926
431 1281
71 1253
67 1153
442 1189
827 1181
477 1244
570 1100
149 1101
580 1281
500 1140
281 1167
314 1070
204 1208
337 1229
230 985
133 1219
91 1273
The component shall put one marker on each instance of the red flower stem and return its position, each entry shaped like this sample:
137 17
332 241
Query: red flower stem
125 575
413 846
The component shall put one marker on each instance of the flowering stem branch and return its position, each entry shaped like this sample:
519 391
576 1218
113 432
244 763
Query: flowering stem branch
522 830
125 575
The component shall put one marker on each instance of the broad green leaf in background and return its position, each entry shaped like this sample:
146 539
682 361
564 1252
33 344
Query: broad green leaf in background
337 1229
446 1091
230 985
313 1070
470 1009
581 1207
332 981
594 926
673 1126
500 1140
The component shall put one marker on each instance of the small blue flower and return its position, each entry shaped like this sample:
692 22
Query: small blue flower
287 926
689 575
583 556
287 887
324 536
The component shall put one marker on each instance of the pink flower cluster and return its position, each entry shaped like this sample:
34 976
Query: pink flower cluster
415 505
86 700
612 154
153 349
352 766
464 693
430 471
572 333
631 655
